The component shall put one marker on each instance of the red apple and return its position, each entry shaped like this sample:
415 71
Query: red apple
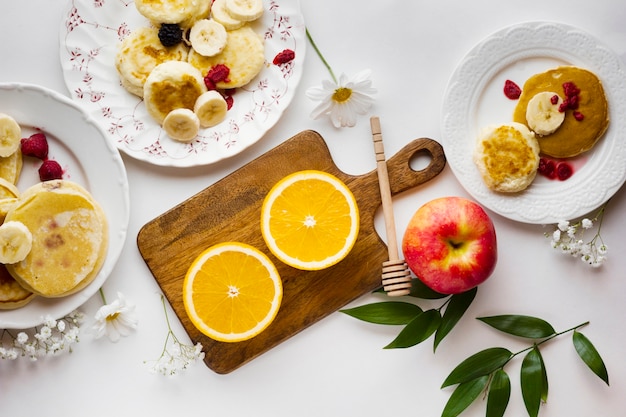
450 245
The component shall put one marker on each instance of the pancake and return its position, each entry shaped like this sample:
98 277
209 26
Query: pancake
244 55
573 137
70 238
172 85
139 53
12 294
507 157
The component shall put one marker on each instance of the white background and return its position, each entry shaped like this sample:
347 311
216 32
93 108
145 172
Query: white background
337 367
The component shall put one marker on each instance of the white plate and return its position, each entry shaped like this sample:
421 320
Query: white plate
474 98
77 142
90 35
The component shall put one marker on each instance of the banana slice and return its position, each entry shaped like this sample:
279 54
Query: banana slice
10 135
542 113
220 14
208 37
16 241
211 108
181 124
246 10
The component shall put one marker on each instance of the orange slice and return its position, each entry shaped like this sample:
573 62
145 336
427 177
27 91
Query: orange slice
232 292
310 220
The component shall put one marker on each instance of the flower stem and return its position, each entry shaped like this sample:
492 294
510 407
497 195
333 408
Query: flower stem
330 70
102 296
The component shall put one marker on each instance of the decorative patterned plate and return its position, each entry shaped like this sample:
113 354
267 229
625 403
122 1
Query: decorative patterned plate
77 142
474 98
90 35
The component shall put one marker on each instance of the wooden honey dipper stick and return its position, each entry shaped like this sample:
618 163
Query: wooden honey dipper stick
396 275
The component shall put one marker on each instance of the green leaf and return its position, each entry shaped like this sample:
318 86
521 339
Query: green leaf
523 326
457 306
418 330
479 364
499 394
590 355
387 312
531 377
464 395
420 290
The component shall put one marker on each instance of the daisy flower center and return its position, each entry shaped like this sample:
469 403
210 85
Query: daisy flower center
342 94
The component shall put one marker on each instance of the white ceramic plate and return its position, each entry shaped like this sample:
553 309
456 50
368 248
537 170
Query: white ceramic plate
90 34
474 98
77 142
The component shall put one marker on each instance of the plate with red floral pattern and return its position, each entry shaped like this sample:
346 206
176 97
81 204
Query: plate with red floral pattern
90 34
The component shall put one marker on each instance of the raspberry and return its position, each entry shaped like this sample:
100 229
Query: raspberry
50 170
547 168
35 145
564 171
578 116
215 75
283 57
554 99
512 90
170 34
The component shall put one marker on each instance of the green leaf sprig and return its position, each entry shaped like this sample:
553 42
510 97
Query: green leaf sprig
418 324
484 371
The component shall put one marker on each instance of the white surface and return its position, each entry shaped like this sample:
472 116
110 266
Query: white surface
474 99
337 367
39 108
90 33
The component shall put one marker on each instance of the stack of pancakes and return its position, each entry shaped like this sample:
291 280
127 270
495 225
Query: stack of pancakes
70 242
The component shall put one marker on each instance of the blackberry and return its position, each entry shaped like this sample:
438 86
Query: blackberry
170 34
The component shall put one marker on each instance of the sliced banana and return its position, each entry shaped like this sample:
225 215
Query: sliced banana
542 113
211 108
181 124
16 241
208 37
246 10
167 11
10 135
220 14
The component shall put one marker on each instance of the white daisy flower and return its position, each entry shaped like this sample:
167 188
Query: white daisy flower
115 319
342 101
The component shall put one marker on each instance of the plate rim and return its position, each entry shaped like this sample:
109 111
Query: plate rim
119 235
505 60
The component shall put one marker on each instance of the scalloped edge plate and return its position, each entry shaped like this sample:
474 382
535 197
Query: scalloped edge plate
89 36
474 98
88 158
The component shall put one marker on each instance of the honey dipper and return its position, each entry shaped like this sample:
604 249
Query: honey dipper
396 276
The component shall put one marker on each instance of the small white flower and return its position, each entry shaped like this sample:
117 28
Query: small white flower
587 224
115 319
563 225
344 100
22 338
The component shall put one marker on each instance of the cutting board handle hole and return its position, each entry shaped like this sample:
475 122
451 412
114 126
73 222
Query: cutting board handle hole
420 160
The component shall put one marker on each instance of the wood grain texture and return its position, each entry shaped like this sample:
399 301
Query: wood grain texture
230 210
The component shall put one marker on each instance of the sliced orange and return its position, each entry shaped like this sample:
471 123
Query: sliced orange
232 292
310 220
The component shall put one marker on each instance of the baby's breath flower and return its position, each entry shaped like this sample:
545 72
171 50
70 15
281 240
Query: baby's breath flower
175 356
52 337
568 237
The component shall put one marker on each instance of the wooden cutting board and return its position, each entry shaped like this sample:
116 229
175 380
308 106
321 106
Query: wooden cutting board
230 209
